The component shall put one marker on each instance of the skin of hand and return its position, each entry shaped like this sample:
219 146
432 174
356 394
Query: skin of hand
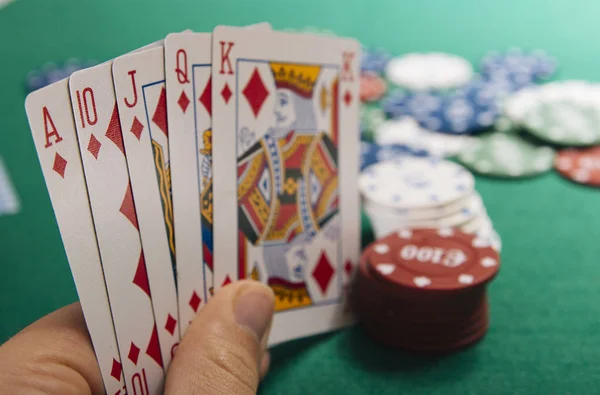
223 350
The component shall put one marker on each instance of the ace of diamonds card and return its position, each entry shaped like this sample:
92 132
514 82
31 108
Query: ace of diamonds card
285 127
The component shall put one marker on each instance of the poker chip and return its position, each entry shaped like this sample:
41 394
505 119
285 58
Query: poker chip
51 73
474 223
464 111
505 125
564 122
516 106
458 214
426 71
418 192
374 153
506 155
372 87
520 66
519 104
407 131
580 165
405 216
466 214
374 60
413 183
371 117
424 290
409 192
448 259
487 232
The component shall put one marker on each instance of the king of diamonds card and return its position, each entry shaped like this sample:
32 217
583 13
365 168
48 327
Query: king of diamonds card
285 130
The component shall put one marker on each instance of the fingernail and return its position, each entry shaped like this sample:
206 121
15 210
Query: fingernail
254 309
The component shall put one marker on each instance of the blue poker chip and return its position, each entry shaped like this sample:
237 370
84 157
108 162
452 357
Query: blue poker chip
399 103
52 73
493 88
374 60
466 110
520 66
373 153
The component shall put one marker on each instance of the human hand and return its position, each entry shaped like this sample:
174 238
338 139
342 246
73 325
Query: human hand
222 352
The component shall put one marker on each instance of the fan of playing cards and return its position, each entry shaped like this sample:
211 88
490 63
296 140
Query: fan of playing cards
171 176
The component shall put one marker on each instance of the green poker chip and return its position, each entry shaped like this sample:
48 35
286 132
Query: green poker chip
564 122
505 125
371 118
506 155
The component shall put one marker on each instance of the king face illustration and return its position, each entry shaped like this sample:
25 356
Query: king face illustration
288 187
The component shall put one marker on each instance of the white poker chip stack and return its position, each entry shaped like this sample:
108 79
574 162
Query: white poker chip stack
425 193
426 71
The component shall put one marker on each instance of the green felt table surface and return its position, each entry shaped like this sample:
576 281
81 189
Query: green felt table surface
545 305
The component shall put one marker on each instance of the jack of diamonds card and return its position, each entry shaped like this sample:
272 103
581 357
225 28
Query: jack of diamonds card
53 129
285 126
188 82
105 166
139 80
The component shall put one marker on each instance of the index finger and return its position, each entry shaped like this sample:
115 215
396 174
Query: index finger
54 355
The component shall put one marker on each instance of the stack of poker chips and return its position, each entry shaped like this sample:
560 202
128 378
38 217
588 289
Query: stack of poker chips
439 107
472 106
424 290
423 192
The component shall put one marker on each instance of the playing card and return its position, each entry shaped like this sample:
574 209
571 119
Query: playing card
125 270
187 66
139 80
188 80
285 125
51 121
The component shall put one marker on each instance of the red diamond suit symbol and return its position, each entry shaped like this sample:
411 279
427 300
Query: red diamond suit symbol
160 113
255 92
94 146
183 101
59 165
205 97
113 132
127 207
323 272
136 128
141 275
226 93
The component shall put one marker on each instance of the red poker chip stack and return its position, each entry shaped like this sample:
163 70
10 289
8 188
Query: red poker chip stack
424 290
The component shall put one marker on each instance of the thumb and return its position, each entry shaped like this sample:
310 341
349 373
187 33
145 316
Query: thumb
224 347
